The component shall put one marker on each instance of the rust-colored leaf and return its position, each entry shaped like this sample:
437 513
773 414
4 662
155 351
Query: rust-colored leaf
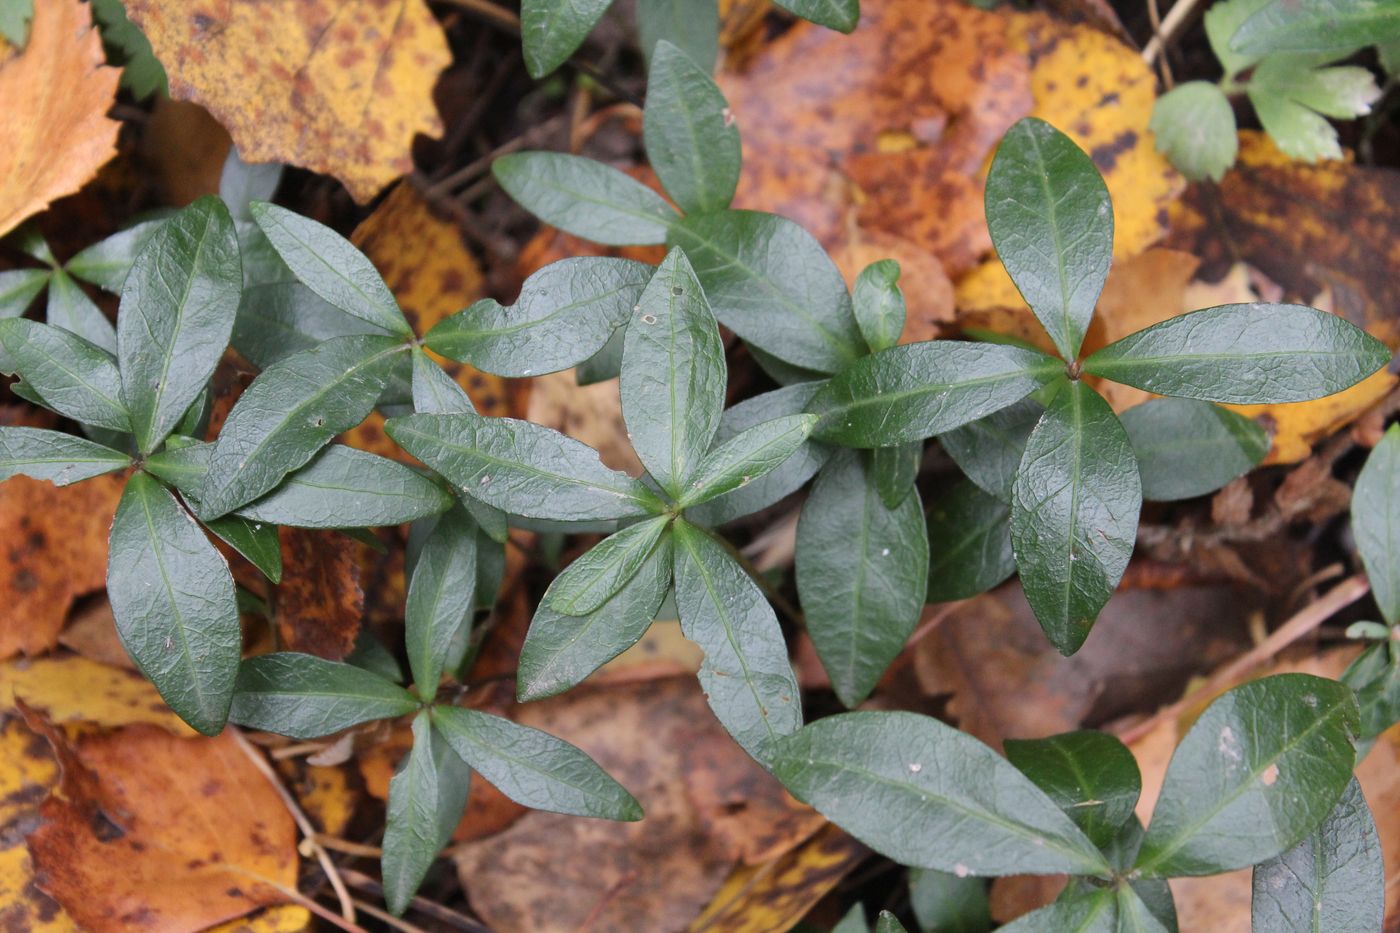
319 601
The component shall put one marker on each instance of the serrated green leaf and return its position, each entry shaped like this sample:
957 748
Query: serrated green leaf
19 288
1329 26
878 304
862 573
926 795
128 46
1334 879
917 390
302 696
690 25
532 767
597 576
347 488
70 308
1375 678
673 375
1244 354
969 539
107 263
746 457
1343 92
1194 127
894 470
689 131
585 198
1090 775
1259 770
552 30
1222 21
747 678
69 374
944 903
60 458
441 599
289 412
173 600
989 450
841 15
770 282
565 314
1051 222
1187 448
1074 512
1298 132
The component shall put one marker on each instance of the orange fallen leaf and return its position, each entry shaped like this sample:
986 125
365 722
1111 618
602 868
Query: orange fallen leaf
319 601
54 122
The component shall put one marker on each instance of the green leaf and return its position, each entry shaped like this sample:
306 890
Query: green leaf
989 450
70 308
60 458
173 600
434 391
917 390
894 470
604 365
1091 776
551 30
969 535
427 795
1095 911
1222 21
302 696
1051 222
565 314
1074 512
561 650
441 600
1375 678
1334 879
1187 448
128 46
1259 770
330 266
347 488
70 375
256 541
673 375
107 263
241 183
888 923
597 576
747 678
1293 99
944 903
746 457
290 412
786 478
853 921
1244 354
1323 26
534 768
689 131
1194 127
15 16
878 304
1136 915
862 572
19 288
690 25
585 198
770 282
926 795
841 15
522 468
1375 522
278 319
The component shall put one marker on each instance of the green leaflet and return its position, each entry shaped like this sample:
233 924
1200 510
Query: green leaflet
256 541
1330 26
690 136
1074 511
60 458
597 576
690 25
895 469
879 304
841 15
924 794
1093 912
565 314
173 600
278 319
1051 222
534 768
552 29
888 923
585 198
862 573
1375 522
969 542
1186 448
746 457
70 308
1259 770
107 263
944 903
1091 776
70 375
746 675
989 450
917 390
441 599
1244 354
1375 678
1194 127
302 696
19 288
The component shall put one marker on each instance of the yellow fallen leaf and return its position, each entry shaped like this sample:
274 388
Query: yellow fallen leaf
73 689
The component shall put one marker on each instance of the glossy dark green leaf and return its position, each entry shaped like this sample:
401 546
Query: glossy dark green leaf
561 650
691 140
241 183
598 575
894 470
70 375
441 599
1375 678
330 266
841 15
19 288
926 795
917 390
969 535
1091 776
673 375
60 458
565 314
289 412
879 304
173 601
989 450
1051 222
347 488
1244 354
176 316
522 468
862 572
427 795
302 696
746 457
70 308
853 921
107 263
585 198
534 768
604 365
747 678
1259 770
690 25
278 319
1375 522
944 903
1137 914
888 923
1322 26
770 282
1334 879
551 30
256 541
1074 512
1187 448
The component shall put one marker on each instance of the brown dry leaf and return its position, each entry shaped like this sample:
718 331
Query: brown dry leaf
319 601
592 414
662 652
186 148
55 549
928 292
92 632
54 121
27 772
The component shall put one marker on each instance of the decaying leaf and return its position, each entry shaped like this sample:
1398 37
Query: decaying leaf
27 772
319 601
70 689
337 87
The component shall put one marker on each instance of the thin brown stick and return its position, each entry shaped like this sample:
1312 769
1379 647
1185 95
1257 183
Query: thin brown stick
386 917
1177 19
336 844
432 909
301 900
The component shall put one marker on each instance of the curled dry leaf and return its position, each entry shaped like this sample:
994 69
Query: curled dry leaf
319 601
57 92
336 87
